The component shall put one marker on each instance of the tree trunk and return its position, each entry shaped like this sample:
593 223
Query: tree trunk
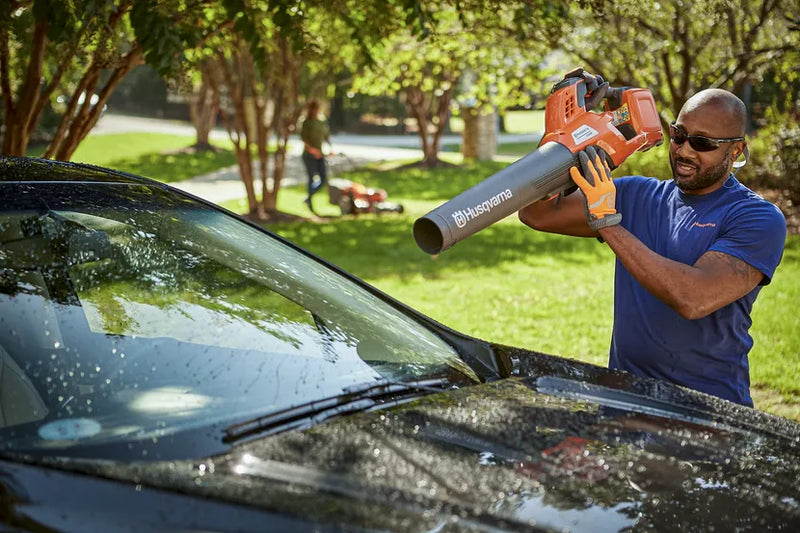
418 104
35 91
285 89
78 126
203 110
246 173
443 118
19 116
479 141
262 142
234 116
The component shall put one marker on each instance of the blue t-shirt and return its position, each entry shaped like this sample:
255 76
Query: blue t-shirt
649 338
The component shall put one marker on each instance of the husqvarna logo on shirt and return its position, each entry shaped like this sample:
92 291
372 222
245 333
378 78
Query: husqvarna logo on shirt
462 216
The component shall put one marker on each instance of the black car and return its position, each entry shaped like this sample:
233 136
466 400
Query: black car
167 365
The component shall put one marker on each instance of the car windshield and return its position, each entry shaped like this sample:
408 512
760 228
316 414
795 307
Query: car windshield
128 312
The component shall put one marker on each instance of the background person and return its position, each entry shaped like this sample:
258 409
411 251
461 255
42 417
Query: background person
692 252
314 133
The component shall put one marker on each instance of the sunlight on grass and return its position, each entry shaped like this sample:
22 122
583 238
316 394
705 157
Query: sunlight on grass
155 155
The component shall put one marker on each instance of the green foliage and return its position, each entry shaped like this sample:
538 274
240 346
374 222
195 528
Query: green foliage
676 48
652 163
473 49
57 51
775 160
159 31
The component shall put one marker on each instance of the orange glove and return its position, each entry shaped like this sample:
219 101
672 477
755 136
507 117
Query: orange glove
599 191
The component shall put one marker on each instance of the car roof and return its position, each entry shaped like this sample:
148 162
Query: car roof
28 169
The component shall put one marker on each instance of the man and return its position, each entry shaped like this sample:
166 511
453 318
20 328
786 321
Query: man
692 253
313 133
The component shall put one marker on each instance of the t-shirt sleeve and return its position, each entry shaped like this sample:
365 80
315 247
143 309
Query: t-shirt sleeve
756 235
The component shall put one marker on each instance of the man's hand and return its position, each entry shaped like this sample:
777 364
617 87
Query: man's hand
316 153
599 191
596 86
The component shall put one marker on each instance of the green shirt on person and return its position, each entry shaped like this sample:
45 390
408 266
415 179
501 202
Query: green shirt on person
314 132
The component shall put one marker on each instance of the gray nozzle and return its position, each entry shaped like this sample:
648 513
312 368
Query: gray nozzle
540 173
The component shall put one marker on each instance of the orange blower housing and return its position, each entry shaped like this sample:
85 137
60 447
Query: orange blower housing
628 123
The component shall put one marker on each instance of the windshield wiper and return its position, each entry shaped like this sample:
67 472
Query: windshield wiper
351 400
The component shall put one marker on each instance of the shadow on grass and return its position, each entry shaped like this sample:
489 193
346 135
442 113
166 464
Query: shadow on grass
177 166
373 246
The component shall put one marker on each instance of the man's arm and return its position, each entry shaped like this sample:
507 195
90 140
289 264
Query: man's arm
693 291
563 214
313 151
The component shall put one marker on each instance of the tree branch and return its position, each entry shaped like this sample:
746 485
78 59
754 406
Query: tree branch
31 87
5 80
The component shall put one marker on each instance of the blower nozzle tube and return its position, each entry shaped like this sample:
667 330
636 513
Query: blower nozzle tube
542 172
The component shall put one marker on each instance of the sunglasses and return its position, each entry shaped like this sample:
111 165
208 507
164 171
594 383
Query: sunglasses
698 143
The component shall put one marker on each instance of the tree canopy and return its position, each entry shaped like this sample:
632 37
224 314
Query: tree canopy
678 47
74 53
71 54
483 54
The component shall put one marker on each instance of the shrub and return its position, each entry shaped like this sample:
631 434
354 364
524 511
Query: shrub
652 163
775 159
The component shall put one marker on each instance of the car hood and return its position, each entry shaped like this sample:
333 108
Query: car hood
539 449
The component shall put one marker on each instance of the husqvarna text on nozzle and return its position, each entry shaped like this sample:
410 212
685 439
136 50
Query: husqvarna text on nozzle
629 123
495 198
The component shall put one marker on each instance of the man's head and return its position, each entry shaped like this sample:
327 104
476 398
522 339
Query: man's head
313 109
714 114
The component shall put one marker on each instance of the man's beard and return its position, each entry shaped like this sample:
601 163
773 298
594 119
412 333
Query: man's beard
699 181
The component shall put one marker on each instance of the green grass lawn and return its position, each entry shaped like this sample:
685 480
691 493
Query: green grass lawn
160 156
507 283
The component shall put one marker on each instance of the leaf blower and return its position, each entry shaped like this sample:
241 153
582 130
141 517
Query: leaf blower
628 123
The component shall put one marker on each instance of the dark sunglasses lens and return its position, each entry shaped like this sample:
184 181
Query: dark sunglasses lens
677 136
701 144
698 142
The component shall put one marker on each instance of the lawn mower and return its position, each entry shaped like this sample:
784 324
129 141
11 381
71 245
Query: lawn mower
354 198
